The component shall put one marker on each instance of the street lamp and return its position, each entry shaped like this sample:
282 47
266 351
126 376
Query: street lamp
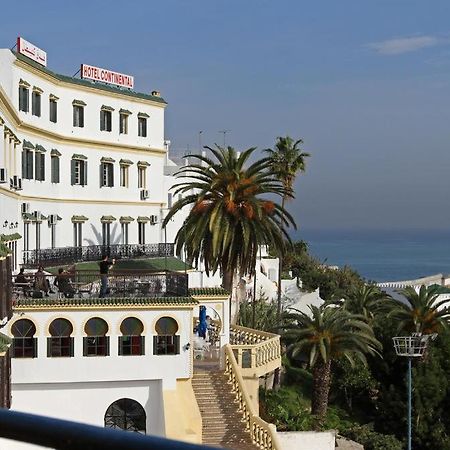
413 346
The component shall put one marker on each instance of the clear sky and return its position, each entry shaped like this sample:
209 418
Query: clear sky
365 84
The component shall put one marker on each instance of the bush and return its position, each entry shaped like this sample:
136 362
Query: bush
371 440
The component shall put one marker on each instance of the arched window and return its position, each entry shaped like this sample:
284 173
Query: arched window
24 342
126 414
166 342
96 343
131 342
60 343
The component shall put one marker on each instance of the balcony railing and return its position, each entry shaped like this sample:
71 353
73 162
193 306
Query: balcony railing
87 284
65 435
68 255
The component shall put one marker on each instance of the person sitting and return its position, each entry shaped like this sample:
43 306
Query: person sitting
41 282
62 282
24 282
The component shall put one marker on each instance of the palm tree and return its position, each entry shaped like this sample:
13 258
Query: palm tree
233 212
286 160
324 336
422 312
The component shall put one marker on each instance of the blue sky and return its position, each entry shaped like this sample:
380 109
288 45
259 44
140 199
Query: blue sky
365 84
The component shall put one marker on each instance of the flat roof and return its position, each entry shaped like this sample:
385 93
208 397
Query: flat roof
88 83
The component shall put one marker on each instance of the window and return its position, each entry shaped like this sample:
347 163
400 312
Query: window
24 342
124 175
141 232
123 123
27 164
105 120
77 234
60 343
36 103
142 177
96 343
106 233
107 174
23 99
54 163
126 414
131 342
53 108
39 161
166 342
79 172
124 226
142 126
78 116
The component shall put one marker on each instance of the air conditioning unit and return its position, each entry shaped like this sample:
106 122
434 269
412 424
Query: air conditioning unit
52 219
153 220
145 194
3 175
37 215
16 183
25 208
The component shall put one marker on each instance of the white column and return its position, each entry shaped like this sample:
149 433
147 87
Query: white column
6 150
2 144
15 156
12 140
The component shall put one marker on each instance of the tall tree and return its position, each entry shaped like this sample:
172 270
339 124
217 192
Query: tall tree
233 212
422 312
324 336
286 160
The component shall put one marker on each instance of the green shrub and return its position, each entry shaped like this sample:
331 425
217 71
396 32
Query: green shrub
372 440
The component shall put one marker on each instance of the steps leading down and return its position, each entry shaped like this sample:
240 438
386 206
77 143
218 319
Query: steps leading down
222 422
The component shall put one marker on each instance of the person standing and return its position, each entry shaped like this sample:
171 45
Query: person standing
104 269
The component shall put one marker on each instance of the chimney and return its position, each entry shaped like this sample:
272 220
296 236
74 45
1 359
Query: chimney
156 94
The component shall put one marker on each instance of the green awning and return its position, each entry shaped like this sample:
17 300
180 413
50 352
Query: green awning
126 219
143 115
78 156
125 111
78 103
107 219
79 218
126 162
143 164
143 219
107 159
55 152
27 145
40 148
107 108
10 237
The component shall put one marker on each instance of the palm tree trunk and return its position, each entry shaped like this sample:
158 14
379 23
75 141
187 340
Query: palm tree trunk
321 388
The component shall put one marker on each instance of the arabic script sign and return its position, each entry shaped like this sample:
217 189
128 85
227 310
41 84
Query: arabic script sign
28 49
106 76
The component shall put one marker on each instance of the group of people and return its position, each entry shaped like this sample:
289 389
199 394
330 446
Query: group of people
39 283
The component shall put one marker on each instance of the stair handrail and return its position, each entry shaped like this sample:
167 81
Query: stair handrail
262 433
249 335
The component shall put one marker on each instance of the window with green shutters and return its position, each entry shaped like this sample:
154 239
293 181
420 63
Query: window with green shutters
78 116
23 99
78 172
55 168
142 126
105 120
27 164
36 103
106 174
53 110
39 161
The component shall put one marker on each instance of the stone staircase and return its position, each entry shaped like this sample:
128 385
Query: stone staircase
222 422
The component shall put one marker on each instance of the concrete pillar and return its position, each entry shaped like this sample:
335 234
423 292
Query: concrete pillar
16 156
252 385
6 136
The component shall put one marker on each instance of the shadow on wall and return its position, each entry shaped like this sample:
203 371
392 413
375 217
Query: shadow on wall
115 236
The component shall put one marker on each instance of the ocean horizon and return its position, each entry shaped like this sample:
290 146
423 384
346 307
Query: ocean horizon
382 255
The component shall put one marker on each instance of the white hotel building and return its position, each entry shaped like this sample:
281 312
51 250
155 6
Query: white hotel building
84 168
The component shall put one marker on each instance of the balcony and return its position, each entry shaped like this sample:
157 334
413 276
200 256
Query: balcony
69 255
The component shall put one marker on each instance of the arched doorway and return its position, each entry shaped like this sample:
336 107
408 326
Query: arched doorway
207 335
126 414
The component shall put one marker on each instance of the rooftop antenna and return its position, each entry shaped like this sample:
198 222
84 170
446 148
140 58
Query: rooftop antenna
76 73
224 132
200 140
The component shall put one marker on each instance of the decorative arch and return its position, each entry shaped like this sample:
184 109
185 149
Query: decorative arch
126 414
96 343
131 343
166 342
60 343
24 342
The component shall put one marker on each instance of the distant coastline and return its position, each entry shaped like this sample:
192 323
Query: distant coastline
382 255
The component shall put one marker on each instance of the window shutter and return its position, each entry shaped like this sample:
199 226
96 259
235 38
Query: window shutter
35 344
102 120
81 117
177 344
72 346
120 345
107 345
42 158
29 165
155 345
84 173
37 166
142 345
72 171
56 170
85 346
49 347
24 164
111 175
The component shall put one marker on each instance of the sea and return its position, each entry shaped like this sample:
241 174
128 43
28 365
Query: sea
382 255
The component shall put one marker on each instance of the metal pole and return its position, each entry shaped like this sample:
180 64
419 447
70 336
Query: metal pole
409 402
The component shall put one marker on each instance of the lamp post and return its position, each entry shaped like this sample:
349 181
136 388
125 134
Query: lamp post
413 346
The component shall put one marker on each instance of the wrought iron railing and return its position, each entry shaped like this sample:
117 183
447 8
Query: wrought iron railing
263 434
87 284
64 435
68 255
